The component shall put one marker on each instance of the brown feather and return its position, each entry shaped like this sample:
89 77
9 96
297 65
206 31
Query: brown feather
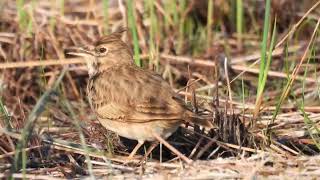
133 102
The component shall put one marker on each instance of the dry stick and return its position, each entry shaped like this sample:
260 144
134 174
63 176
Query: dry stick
195 148
227 144
34 63
184 59
204 149
228 82
188 85
149 151
173 149
28 176
315 109
10 134
208 63
286 148
276 148
61 145
117 166
13 152
256 55
179 59
272 73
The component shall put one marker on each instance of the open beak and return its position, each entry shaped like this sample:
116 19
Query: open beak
80 51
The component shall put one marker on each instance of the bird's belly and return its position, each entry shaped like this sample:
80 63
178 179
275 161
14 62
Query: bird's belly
140 131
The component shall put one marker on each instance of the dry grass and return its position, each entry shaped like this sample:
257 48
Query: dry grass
47 129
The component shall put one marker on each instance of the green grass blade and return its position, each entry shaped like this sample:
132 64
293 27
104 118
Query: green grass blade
263 61
209 23
239 22
132 26
61 2
264 42
269 59
181 30
105 5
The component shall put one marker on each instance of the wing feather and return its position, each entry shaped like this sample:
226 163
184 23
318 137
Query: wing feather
130 94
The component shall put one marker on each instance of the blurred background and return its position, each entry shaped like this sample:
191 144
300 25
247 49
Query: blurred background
186 41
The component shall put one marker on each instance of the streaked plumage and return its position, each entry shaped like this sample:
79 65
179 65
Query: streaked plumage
133 102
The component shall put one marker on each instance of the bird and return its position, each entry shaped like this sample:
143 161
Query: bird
133 102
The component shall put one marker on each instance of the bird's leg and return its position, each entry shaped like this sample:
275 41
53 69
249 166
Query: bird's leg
149 150
134 151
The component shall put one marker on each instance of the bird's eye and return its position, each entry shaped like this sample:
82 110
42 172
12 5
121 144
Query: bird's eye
102 50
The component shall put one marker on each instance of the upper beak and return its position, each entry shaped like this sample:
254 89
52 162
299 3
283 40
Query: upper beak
80 51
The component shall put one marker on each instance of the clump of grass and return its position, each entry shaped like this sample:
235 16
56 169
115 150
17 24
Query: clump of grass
289 83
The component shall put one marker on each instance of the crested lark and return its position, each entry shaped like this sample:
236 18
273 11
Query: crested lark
135 103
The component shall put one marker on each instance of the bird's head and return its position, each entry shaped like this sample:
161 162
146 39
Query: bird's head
104 53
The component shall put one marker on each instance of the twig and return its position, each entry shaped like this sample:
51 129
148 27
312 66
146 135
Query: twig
34 63
113 165
228 81
13 152
66 146
174 150
178 59
28 176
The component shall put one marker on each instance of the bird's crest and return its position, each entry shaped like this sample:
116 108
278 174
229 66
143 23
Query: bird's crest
115 36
